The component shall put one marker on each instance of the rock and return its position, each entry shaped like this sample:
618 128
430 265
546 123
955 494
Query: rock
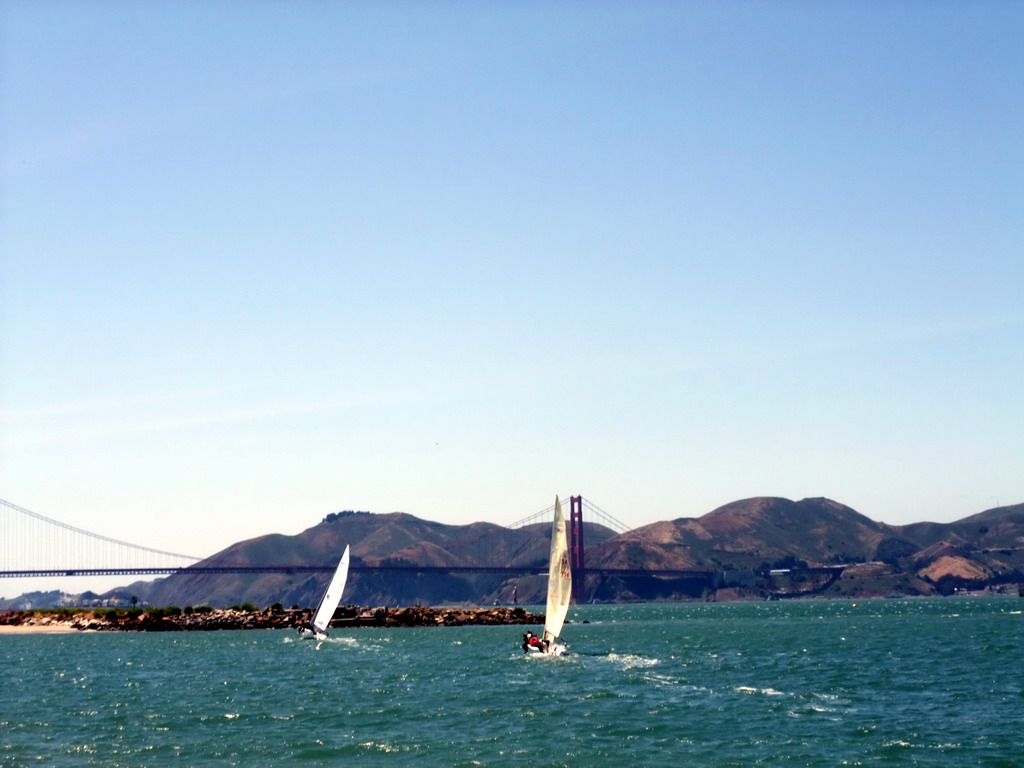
348 616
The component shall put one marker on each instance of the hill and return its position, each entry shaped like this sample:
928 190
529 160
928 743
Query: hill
739 542
753 533
387 539
751 548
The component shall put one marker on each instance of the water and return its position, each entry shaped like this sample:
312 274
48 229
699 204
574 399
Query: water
815 683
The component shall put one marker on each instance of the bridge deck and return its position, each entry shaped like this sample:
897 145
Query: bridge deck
204 569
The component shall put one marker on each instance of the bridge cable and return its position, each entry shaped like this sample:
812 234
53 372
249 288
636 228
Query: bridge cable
98 536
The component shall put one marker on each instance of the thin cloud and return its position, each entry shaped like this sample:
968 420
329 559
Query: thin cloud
850 341
143 416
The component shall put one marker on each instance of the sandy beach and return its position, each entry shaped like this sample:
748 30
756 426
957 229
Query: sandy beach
35 629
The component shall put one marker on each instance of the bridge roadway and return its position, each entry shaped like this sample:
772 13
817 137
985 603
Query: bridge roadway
202 569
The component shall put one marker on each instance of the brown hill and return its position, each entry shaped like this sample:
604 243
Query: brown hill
747 536
998 528
751 533
387 539
982 548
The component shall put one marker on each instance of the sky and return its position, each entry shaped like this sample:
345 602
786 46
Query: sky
264 261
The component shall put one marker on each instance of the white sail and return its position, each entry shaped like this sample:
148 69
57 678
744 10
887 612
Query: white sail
559 578
332 597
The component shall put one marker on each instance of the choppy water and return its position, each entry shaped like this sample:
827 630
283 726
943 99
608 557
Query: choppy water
901 682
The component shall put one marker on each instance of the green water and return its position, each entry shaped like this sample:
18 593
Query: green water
822 683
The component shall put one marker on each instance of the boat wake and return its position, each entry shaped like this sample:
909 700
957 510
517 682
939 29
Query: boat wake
761 691
632 661
351 642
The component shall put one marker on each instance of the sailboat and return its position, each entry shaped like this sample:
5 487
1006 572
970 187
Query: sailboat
559 588
329 602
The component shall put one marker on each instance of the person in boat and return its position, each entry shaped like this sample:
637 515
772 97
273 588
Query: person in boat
530 640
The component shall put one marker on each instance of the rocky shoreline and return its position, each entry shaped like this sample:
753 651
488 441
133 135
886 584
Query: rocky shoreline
188 620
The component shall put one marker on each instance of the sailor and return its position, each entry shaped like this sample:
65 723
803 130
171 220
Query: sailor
530 640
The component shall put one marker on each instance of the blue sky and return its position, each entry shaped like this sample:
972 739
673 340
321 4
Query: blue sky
266 261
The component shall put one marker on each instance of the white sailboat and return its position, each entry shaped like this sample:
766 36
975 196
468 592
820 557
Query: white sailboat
559 588
329 602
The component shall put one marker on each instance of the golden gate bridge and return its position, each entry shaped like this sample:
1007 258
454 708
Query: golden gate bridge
34 545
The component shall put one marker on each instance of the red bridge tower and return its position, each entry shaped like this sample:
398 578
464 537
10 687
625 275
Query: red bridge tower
576 561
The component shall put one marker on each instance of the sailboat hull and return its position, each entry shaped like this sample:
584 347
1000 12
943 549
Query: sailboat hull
557 649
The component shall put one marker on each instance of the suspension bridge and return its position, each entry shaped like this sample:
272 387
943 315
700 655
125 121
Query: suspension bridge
34 545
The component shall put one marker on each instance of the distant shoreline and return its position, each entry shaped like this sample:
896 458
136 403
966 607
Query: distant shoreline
157 620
